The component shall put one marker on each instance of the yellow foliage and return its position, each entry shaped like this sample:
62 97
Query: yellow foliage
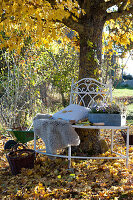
131 36
120 34
33 18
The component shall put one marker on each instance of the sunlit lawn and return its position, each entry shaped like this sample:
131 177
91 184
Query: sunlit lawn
122 92
125 92
130 107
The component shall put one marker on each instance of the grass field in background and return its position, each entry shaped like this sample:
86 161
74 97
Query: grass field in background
130 113
125 92
130 107
122 92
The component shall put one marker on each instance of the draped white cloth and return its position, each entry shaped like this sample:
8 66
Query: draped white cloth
56 134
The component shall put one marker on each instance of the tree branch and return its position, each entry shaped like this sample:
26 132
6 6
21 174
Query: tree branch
69 22
111 3
80 2
52 2
117 14
122 5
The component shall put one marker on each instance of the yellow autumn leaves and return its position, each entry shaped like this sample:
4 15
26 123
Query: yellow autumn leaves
51 179
22 18
119 34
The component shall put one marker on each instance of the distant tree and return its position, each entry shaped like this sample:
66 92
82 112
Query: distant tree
30 78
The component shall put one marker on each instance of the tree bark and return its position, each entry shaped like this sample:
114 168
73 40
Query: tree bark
90 49
91 143
43 93
64 102
90 62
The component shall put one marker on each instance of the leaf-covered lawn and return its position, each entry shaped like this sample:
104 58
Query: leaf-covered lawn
51 179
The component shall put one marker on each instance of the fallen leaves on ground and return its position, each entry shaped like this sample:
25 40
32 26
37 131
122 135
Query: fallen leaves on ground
51 179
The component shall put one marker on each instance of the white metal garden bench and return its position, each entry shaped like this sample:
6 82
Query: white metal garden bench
91 89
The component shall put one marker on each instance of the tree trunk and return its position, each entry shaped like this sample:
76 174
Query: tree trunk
90 49
91 143
64 102
43 93
90 61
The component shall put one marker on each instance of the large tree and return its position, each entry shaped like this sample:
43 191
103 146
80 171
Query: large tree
43 20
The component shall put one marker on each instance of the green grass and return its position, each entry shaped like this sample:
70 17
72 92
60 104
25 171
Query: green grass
130 113
123 92
130 108
129 122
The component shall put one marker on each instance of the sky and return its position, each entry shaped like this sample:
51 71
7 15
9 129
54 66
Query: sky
129 67
128 62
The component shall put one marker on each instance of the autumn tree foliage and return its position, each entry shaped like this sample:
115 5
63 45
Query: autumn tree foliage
44 21
119 35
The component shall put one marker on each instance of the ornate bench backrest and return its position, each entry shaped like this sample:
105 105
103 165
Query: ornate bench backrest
88 90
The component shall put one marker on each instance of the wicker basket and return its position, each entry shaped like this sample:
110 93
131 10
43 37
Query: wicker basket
20 158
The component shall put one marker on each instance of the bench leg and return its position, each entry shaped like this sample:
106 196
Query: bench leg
35 143
127 148
112 138
69 157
